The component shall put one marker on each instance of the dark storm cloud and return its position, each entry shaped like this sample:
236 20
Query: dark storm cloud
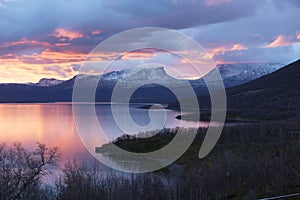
36 19
178 15
235 21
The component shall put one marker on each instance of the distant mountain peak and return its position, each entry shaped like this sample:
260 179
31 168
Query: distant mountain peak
141 72
150 71
138 70
239 73
45 82
147 69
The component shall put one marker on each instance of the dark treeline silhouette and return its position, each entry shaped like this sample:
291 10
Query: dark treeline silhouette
250 161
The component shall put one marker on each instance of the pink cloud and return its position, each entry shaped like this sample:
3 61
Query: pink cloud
63 33
62 44
298 36
223 49
139 55
279 41
25 42
238 47
216 2
96 32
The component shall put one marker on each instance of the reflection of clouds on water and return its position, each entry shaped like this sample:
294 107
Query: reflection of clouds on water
53 124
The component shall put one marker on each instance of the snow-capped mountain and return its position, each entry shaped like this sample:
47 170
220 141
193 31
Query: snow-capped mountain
46 82
236 74
130 78
232 74
47 90
135 76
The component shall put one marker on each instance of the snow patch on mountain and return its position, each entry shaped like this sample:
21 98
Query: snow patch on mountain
46 82
236 74
130 78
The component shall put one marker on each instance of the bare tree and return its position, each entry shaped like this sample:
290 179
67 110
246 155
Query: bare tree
21 170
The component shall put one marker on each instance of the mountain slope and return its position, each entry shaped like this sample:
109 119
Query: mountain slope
237 74
275 96
279 90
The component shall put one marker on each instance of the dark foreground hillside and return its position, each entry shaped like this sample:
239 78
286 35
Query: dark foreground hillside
249 162
277 93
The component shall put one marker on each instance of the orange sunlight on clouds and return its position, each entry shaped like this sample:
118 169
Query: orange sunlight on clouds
223 49
96 32
279 41
25 42
63 33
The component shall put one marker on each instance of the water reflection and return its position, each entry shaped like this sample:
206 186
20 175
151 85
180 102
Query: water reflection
53 124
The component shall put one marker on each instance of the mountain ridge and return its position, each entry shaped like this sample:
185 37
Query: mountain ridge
53 90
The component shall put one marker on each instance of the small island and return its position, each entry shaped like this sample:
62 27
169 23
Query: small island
152 106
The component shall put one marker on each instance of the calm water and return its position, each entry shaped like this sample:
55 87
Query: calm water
53 125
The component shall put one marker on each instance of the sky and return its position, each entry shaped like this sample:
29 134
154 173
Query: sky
51 38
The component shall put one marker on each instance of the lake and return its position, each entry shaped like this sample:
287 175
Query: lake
53 124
